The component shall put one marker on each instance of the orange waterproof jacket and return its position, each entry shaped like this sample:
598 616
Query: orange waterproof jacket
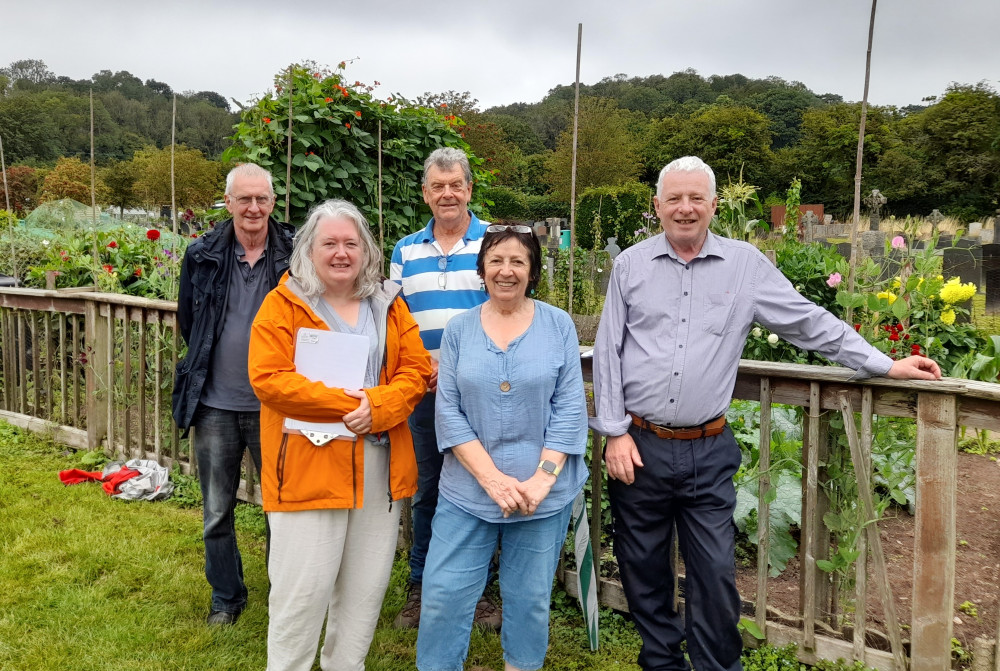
295 473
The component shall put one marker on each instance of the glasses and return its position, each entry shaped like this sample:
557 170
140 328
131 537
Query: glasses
245 201
500 228
438 188
443 277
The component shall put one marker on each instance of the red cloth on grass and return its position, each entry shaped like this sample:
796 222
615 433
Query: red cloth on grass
111 482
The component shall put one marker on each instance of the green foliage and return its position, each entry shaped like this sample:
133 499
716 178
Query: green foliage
793 198
335 147
969 609
505 203
607 150
620 209
587 265
739 215
128 261
187 491
92 460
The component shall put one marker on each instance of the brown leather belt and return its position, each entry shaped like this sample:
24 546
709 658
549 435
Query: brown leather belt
711 428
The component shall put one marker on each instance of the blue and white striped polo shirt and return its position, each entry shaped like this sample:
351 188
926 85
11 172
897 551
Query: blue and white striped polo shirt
438 286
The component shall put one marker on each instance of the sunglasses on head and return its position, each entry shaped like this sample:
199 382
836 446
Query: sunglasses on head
500 228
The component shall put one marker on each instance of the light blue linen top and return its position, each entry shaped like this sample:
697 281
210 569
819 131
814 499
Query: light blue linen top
544 406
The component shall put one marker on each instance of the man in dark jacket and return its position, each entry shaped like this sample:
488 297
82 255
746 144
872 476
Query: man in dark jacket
224 278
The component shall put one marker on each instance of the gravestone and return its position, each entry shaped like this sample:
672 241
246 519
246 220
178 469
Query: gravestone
809 221
844 249
612 248
987 236
991 277
875 202
872 244
935 218
961 262
542 231
975 228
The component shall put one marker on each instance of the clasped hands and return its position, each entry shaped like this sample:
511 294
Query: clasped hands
359 420
513 495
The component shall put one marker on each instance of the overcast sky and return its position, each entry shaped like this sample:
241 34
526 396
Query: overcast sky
514 50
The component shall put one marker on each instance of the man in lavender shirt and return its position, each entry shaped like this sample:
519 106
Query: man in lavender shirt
678 310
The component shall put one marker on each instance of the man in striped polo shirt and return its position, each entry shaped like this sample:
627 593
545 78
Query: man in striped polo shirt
436 266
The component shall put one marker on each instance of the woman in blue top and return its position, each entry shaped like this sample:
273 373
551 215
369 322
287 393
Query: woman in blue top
511 422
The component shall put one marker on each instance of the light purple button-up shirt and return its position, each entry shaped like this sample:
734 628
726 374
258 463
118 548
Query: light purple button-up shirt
671 334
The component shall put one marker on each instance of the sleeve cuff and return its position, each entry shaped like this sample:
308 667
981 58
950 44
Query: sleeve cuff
877 365
607 427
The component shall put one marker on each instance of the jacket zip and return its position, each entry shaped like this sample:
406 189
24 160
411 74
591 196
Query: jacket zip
354 466
282 453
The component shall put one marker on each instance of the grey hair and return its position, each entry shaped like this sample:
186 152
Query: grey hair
447 158
687 164
301 265
248 170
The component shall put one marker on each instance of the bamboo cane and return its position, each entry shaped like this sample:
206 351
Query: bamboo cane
288 167
857 172
173 189
572 182
381 228
93 186
6 195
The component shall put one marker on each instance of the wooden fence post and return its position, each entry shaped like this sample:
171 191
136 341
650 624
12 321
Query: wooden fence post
935 535
98 380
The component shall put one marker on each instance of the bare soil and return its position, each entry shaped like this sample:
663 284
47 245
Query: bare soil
977 564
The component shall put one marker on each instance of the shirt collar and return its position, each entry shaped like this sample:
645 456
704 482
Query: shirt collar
711 247
475 230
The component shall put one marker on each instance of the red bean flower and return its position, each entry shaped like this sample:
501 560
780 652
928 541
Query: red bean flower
267 119
328 100
107 268
894 336
152 234
138 271
358 114
347 126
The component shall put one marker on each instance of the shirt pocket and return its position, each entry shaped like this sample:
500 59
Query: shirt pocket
719 309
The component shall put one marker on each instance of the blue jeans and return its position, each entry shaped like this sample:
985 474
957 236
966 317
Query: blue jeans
220 438
457 565
429 462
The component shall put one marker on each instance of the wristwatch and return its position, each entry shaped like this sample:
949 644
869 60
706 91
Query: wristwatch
549 467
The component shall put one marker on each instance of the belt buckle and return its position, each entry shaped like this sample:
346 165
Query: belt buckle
665 430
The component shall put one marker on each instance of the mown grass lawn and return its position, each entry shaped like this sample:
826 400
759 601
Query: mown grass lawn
92 583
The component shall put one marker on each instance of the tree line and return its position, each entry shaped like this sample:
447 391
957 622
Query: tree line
943 153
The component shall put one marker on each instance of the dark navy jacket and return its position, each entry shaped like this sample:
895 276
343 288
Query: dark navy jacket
201 303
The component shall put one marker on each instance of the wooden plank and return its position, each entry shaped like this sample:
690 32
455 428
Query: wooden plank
157 389
109 357
6 360
21 347
596 489
861 565
49 399
36 364
141 382
874 539
934 535
78 352
98 384
63 401
65 435
807 548
763 506
825 648
127 386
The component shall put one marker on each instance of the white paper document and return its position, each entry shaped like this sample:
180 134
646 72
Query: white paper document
335 359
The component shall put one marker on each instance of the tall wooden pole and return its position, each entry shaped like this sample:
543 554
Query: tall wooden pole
173 184
572 179
381 227
857 171
6 195
93 187
288 167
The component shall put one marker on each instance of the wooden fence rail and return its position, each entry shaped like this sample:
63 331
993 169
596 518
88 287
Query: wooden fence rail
96 371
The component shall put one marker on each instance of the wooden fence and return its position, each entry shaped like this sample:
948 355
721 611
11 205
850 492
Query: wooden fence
96 370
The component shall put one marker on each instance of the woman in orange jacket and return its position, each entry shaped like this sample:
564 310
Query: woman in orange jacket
330 506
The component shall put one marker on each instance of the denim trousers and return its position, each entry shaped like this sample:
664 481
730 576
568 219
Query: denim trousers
687 485
220 438
457 565
424 502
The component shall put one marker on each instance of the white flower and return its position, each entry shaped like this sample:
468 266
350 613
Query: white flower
773 338
45 242
756 332
600 270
